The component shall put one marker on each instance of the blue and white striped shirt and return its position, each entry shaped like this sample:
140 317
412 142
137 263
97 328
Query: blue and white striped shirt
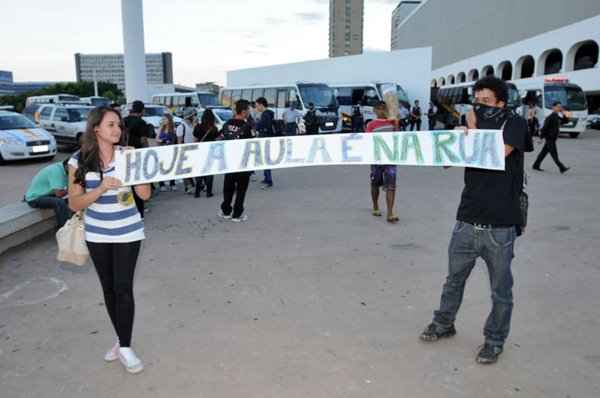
114 217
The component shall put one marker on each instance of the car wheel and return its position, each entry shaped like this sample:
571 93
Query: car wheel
573 135
2 161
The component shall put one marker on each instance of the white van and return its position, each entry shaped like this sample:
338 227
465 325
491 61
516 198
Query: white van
177 102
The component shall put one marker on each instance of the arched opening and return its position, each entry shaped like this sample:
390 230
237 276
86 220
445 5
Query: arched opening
583 55
487 70
473 75
550 62
461 77
525 67
434 83
451 79
441 81
505 70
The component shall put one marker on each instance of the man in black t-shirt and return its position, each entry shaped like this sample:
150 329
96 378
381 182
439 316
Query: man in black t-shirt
550 132
236 183
136 135
487 221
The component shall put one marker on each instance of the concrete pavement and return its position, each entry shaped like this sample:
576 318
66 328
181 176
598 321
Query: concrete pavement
314 297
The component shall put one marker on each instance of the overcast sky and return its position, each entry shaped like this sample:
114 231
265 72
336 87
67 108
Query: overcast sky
38 38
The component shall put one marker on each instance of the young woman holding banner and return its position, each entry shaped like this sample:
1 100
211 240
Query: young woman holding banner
113 226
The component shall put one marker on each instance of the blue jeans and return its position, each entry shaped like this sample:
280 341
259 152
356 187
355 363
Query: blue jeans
496 247
268 177
60 206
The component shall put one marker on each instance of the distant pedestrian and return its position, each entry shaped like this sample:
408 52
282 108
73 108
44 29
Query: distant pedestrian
358 121
185 135
290 119
432 116
265 129
206 131
48 190
311 120
404 115
236 184
550 132
416 117
167 136
383 176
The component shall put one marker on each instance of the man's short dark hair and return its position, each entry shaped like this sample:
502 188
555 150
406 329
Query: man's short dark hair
137 106
492 83
380 105
555 103
262 101
241 106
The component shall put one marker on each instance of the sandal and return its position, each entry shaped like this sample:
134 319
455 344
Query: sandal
393 219
376 213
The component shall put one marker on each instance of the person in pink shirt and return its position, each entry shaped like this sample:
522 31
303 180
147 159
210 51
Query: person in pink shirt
383 176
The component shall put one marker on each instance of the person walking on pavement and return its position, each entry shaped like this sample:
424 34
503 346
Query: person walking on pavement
415 117
488 220
290 119
311 120
550 132
265 129
206 131
185 135
236 183
432 115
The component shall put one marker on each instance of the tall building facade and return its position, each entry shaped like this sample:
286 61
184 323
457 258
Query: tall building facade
6 76
399 15
111 68
461 29
345 27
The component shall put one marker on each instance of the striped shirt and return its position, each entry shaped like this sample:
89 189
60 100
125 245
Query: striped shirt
113 217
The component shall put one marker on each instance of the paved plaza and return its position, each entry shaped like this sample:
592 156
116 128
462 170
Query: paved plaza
314 297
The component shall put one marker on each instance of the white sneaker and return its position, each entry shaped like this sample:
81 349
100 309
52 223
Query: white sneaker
112 354
130 361
224 216
240 219
163 189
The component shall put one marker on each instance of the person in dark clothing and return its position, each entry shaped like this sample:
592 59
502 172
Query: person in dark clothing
432 115
358 121
550 133
311 120
487 221
136 135
415 117
266 129
236 183
206 131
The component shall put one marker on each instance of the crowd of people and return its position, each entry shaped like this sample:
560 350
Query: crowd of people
489 219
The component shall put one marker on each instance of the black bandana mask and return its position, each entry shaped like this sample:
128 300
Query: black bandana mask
489 117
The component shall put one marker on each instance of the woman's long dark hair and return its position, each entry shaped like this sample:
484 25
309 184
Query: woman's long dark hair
208 120
89 153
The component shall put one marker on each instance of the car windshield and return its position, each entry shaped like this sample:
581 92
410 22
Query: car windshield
223 114
154 111
208 99
15 122
78 114
572 98
320 95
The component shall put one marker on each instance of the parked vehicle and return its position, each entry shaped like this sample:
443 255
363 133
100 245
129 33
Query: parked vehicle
51 99
66 122
95 101
222 115
153 115
593 122
21 139
177 102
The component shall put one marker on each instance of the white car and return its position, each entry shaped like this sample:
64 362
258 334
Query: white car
154 114
66 122
21 139
222 114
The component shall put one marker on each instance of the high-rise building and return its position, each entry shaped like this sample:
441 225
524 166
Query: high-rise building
345 27
399 15
111 68
6 76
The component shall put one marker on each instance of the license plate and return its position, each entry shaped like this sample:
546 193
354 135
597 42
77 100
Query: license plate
329 124
40 148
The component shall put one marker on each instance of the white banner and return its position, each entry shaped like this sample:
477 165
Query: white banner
482 149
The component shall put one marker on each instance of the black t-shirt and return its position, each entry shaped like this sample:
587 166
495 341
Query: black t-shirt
236 129
204 134
136 129
493 197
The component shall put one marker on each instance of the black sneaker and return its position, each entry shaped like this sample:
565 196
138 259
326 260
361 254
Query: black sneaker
489 354
434 333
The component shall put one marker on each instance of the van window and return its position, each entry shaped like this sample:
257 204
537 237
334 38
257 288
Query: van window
257 93
283 97
247 95
236 96
344 96
270 95
226 98
59 114
46 112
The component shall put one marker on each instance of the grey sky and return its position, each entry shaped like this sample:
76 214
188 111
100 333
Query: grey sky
39 37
